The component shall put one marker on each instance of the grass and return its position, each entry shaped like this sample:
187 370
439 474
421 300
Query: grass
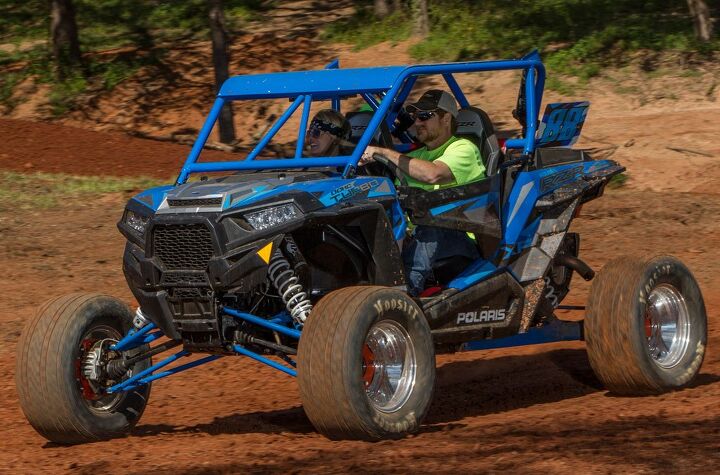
563 87
103 25
579 37
364 29
7 85
47 190
618 181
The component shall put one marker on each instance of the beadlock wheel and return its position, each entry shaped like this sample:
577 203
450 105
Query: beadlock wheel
391 364
646 325
667 326
366 364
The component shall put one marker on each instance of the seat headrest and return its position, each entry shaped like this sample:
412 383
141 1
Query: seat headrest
474 124
359 122
474 121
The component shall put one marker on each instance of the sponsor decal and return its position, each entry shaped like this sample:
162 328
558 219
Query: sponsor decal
553 181
481 316
349 190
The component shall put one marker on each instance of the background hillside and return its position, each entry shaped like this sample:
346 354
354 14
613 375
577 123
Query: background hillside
147 66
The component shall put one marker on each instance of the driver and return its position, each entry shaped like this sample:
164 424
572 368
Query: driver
445 161
327 132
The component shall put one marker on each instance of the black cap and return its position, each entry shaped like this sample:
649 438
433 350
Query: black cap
435 99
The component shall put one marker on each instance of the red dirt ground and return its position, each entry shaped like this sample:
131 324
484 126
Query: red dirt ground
533 409
529 410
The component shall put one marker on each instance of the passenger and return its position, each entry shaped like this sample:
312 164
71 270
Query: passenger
327 133
445 161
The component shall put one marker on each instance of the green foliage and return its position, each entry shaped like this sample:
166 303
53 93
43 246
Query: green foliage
63 94
137 25
578 37
22 20
46 190
7 85
618 181
563 87
364 29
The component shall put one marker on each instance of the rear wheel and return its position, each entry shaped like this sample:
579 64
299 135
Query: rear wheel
366 364
60 389
646 326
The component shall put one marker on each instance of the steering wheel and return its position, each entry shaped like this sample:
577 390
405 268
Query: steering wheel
390 169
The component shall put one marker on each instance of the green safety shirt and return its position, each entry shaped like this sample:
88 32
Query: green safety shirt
460 155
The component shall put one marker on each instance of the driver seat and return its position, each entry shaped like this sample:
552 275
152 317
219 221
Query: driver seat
475 125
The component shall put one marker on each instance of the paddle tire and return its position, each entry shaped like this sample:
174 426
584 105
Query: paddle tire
56 397
646 326
366 364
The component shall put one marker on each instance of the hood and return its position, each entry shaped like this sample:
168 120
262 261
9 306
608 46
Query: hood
247 189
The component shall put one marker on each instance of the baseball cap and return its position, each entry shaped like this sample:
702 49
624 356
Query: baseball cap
435 99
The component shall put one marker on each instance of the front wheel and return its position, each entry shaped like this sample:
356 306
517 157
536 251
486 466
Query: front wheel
366 364
646 326
58 352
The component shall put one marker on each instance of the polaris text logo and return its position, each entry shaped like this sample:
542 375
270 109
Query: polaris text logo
483 316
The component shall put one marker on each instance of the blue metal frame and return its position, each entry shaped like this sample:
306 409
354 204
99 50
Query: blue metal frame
334 83
292 333
556 331
135 338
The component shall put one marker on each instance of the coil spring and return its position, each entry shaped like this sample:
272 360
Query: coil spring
286 282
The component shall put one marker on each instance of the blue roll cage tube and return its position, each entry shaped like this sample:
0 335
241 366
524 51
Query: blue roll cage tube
393 95
395 82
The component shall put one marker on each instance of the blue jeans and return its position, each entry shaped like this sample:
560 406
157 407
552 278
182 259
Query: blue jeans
428 245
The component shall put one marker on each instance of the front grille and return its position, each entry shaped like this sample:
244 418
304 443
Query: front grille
183 246
184 278
186 294
196 202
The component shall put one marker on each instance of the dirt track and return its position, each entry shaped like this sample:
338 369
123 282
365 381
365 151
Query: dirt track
533 409
529 409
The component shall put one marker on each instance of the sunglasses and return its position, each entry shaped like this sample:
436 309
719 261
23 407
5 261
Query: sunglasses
422 116
314 132
318 126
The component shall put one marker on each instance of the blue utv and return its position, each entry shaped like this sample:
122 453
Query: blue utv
295 263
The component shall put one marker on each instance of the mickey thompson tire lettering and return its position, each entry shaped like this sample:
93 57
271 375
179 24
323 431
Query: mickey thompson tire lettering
330 375
615 325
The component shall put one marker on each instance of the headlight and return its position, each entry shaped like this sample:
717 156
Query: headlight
136 221
274 216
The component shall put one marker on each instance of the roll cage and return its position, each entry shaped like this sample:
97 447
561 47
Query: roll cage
385 89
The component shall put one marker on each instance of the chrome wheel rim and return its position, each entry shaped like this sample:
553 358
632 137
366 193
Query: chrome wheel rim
98 402
667 326
389 366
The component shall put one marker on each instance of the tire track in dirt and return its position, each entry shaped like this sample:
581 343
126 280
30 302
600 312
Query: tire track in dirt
526 409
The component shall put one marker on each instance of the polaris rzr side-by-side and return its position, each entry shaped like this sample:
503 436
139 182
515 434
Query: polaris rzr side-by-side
295 262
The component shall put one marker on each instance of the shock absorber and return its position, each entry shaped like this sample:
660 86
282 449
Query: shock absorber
287 283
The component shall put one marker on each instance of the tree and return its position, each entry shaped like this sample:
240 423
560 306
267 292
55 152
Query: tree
421 22
64 37
221 62
702 22
381 8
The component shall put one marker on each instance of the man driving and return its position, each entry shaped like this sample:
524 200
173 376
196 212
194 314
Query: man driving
444 161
